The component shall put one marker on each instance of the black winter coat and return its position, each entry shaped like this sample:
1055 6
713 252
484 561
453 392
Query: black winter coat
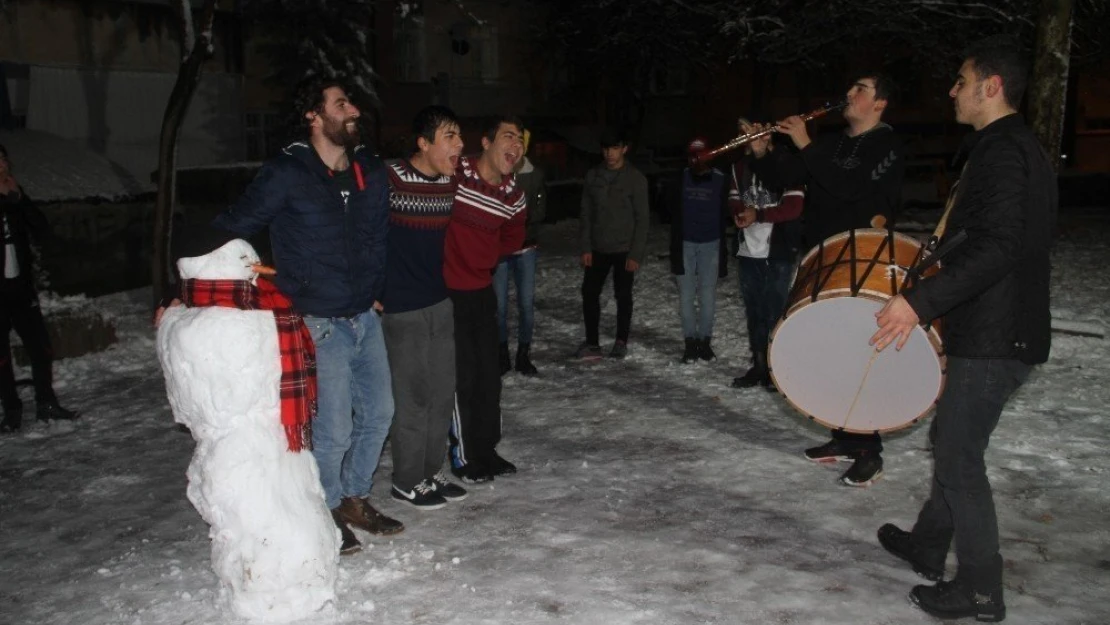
992 290
25 221
329 253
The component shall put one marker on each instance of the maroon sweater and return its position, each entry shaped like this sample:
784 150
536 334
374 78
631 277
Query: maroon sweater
487 223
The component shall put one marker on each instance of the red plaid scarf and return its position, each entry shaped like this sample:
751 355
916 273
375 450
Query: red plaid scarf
298 353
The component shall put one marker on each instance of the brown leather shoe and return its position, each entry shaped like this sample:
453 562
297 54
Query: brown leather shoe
350 543
359 513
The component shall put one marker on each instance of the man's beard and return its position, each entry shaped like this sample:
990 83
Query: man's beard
337 133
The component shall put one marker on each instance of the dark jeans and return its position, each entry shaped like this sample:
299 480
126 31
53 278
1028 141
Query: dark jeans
594 280
476 428
19 310
764 285
960 502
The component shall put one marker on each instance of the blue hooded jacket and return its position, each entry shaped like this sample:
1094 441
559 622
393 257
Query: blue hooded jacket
329 253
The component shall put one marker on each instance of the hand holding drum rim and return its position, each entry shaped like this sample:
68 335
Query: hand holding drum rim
896 320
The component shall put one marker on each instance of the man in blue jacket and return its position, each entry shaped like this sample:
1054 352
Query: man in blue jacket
326 202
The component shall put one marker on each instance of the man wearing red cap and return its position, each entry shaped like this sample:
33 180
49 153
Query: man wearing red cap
698 251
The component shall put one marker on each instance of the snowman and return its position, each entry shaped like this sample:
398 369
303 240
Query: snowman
275 547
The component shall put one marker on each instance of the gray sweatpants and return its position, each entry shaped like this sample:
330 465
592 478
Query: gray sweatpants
421 346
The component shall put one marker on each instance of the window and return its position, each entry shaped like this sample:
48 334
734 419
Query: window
260 127
411 64
670 79
475 54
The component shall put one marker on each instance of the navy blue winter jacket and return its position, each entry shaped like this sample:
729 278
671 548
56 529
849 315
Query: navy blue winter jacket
329 253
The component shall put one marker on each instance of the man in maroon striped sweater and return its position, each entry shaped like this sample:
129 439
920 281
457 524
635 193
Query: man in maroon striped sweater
487 223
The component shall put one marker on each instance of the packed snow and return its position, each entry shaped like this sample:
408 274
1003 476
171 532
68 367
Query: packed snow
650 492
274 544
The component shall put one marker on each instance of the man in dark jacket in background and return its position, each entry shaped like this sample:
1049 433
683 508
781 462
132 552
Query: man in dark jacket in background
993 293
853 179
326 202
19 307
699 250
522 266
614 228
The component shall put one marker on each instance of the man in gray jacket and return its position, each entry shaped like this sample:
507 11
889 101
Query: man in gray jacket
614 228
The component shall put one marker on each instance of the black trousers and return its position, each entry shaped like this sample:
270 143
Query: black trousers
476 424
19 310
868 443
961 504
593 281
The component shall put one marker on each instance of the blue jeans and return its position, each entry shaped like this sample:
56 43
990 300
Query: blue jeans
764 285
700 263
354 403
961 505
523 268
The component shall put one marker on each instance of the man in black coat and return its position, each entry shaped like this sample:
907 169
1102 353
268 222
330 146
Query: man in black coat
993 293
853 179
19 306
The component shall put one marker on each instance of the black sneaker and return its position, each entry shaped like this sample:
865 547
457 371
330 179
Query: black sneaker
349 542
589 352
52 411
448 490
423 496
705 352
13 419
524 364
832 451
620 349
502 467
902 544
472 474
953 600
690 351
866 470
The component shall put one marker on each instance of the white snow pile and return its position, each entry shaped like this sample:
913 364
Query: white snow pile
275 548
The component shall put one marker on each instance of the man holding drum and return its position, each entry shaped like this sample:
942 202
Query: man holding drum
993 293
853 180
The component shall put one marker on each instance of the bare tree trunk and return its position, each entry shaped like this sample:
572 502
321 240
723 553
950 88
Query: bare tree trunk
187 78
1048 88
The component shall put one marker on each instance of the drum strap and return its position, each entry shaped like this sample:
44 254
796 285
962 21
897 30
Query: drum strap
942 225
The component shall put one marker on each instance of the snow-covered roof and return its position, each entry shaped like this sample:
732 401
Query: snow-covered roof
53 169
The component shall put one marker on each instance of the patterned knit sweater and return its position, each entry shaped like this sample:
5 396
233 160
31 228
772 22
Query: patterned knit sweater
419 211
487 224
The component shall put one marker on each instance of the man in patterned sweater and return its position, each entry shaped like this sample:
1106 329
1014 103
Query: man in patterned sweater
418 323
487 223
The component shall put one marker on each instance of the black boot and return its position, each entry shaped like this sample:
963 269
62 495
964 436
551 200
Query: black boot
53 411
524 364
348 541
690 353
503 357
960 599
705 352
13 418
756 375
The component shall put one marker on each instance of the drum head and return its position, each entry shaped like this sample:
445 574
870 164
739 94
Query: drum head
821 361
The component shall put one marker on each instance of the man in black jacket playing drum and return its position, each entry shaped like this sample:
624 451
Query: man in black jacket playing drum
853 179
993 292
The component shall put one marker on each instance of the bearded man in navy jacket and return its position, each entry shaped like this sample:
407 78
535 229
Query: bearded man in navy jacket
326 202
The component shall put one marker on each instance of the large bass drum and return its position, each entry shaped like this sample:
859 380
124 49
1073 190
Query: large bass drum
819 354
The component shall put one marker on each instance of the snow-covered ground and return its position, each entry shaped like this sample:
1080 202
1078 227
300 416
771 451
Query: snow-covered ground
650 492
